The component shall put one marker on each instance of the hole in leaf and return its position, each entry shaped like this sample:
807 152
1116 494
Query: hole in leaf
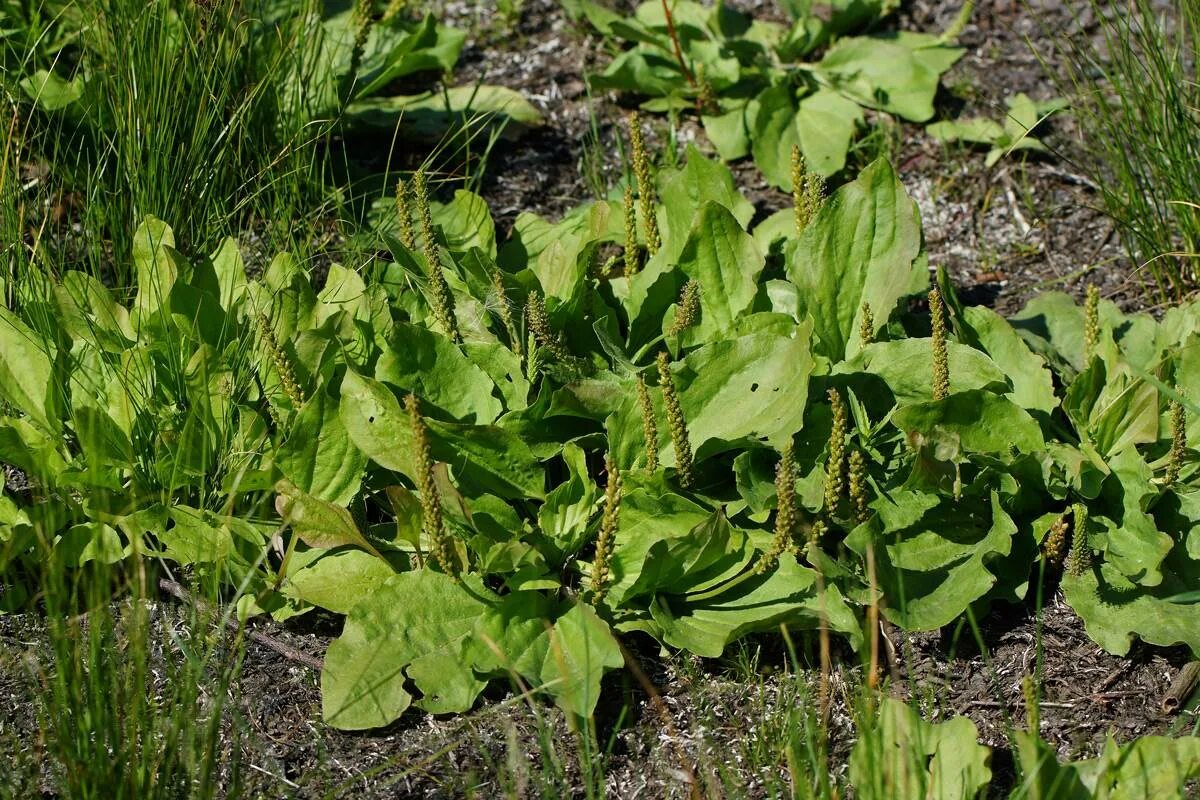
754 387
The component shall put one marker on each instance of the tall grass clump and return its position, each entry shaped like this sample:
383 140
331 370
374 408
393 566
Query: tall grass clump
130 694
1136 84
176 109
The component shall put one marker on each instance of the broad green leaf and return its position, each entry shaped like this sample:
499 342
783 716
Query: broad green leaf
376 424
752 387
466 222
821 124
565 515
336 580
318 456
686 191
786 595
158 266
318 523
975 421
429 365
863 246
932 569
581 649
1133 544
906 366
428 116
645 521
27 377
890 72
727 263
89 541
492 458
902 755
193 538
1033 385
415 618
50 92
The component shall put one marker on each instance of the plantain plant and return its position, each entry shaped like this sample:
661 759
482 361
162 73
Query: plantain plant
758 426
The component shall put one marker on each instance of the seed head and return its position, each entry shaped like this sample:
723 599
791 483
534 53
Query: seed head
645 181
866 328
676 421
815 534
858 487
281 362
1081 549
941 362
404 215
706 97
1032 710
433 526
632 264
1178 442
808 190
441 300
688 309
504 308
1057 542
539 325
786 514
649 424
608 530
1091 322
835 467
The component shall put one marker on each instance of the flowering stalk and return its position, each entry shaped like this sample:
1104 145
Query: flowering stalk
1091 322
631 244
539 325
441 299
433 526
688 308
808 190
858 487
1178 442
641 169
1081 550
941 362
835 467
866 327
608 530
649 424
282 364
706 95
504 308
786 514
676 421
1054 546
404 215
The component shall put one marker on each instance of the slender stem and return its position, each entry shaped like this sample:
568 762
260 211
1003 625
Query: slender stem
687 73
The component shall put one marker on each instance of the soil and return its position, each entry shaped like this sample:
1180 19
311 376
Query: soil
1003 235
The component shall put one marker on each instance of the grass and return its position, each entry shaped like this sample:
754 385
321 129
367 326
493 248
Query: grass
132 701
1135 98
183 116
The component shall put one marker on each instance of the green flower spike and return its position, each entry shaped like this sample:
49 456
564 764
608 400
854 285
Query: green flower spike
1081 549
608 530
631 244
676 421
866 328
941 363
441 300
688 310
433 526
1178 443
835 467
279 359
649 424
641 169
786 514
404 214
1091 322
539 325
